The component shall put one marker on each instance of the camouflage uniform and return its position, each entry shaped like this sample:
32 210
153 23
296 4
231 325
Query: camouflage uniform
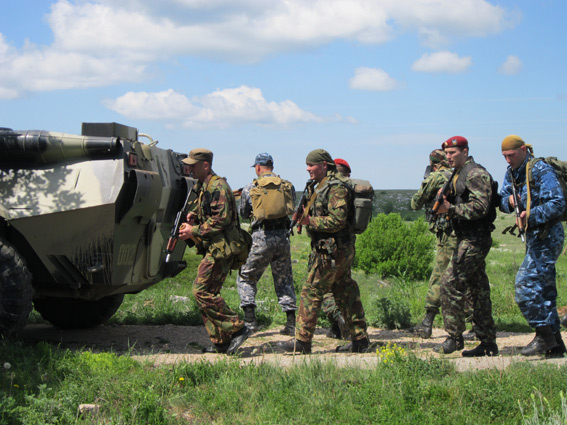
536 291
332 243
446 239
270 246
471 213
216 215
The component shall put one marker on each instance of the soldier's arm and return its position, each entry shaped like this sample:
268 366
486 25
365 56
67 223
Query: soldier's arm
338 205
505 193
551 199
478 183
427 192
245 208
220 211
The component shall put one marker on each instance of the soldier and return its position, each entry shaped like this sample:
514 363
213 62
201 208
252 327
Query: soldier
446 240
541 209
270 246
209 221
329 225
470 206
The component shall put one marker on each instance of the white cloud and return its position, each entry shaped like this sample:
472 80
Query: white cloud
442 62
221 109
511 66
372 79
104 42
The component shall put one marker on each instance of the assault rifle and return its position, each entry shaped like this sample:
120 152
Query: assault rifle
439 198
517 202
298 214
180 219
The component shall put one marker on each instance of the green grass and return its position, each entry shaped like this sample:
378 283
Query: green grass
44 384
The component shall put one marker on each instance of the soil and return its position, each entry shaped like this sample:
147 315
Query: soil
171 344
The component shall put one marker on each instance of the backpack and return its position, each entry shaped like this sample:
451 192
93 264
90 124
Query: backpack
363 194
560 168
272 198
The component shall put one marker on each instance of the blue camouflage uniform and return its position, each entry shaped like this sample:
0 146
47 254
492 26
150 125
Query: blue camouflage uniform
270 246
536 291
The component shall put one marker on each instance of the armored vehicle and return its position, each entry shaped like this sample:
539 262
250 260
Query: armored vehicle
84 219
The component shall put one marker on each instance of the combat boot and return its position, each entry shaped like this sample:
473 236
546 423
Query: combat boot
425 328
250 318
289 327
482 349
356 346
559 350
543 341
238 339
564 320
295 346
451 344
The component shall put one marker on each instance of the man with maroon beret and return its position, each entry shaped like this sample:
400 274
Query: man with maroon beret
470 206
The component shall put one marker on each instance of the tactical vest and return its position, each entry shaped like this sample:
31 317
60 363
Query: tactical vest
461 196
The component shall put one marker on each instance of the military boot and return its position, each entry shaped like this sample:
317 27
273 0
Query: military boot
425 328
564 320
356 346
451 344
250 318
543 341
339 328
559 350
289 327
482 349
295 346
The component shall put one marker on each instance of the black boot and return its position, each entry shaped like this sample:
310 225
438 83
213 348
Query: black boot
451 344
339 328
238 339
289 327
482 349
295 346
250 318
559 350
543 341
564 320
356 346
425 328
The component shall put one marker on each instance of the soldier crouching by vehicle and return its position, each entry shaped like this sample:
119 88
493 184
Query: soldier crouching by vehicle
209 221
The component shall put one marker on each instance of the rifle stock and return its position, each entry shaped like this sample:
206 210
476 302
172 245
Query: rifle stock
298 214
180 218
517 203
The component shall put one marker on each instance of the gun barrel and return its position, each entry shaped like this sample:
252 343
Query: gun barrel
43 147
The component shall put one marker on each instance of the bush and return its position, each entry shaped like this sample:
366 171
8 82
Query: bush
392 248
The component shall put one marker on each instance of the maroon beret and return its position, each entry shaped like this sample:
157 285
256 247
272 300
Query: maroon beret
340 161
455 142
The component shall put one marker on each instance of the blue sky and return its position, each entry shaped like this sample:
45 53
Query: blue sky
379 83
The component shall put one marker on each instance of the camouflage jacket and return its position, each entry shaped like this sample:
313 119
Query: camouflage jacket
214 208
547 199
426 196
331 209
471 196
429 188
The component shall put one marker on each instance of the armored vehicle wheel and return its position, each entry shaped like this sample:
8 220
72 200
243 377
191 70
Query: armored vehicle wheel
70 313
16 290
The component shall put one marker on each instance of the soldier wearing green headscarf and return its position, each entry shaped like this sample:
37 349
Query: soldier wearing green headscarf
328 219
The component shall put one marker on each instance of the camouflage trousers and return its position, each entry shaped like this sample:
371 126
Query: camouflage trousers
219 320
466 272
269 248
327 276
330 308
536 290
446 245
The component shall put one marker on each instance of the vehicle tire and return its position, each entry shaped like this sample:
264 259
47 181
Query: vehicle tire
71 313
16 290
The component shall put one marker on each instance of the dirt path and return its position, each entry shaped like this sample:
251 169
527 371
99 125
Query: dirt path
173 344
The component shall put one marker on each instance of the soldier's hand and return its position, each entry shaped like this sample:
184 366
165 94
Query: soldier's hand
512 201
444 207
305 220
191 217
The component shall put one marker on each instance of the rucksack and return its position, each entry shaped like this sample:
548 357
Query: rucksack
560 168
272 198
363 194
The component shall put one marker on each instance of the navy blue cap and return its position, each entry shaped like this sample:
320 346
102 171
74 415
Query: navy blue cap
263 159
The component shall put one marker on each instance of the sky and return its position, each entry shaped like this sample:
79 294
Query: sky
380 83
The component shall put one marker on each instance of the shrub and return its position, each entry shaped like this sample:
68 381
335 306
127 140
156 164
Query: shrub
392 248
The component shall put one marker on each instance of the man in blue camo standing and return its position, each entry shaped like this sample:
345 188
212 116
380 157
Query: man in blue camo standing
270 246
541 209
